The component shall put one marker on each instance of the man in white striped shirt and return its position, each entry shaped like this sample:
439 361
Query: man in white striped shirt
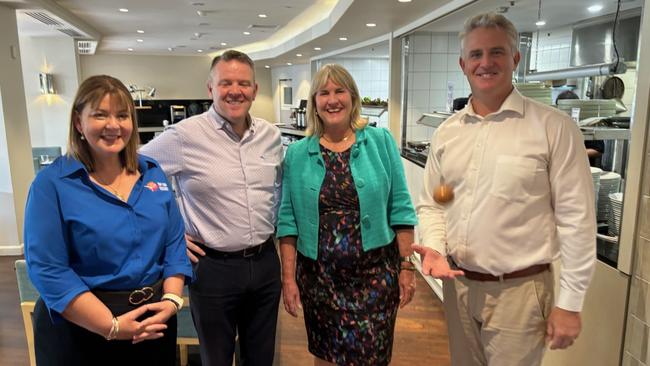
523 198
227 166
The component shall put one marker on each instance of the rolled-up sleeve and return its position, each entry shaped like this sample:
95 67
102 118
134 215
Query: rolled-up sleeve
46 247
176 260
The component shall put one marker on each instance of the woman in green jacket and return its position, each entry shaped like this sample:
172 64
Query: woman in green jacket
345 226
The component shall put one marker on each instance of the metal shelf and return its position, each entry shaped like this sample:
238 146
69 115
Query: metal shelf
372 110
605 133
433 119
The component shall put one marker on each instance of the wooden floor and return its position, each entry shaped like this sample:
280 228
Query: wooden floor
420 332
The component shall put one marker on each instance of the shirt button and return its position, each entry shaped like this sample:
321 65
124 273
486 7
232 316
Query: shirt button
360 183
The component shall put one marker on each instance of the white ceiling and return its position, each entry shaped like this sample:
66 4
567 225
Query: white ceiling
300 25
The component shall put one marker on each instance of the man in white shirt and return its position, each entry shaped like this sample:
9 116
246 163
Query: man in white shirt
227 165
523 198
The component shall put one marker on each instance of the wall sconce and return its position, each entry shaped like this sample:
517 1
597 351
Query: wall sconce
47 83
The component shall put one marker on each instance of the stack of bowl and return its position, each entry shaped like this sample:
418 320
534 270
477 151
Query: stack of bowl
589 108
537 91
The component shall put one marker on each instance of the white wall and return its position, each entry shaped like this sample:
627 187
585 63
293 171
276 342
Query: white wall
371 76
174 77
433 63
300 76
15 144
49 116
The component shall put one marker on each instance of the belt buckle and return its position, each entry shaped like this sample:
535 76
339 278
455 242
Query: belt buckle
249 252
137 297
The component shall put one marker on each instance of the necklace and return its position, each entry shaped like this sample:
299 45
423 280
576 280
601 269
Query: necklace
344 139
116 190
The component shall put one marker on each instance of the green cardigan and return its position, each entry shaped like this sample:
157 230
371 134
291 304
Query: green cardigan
378 175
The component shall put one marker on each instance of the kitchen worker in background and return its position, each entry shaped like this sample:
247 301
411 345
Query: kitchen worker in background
104 242
227 165
523 198
345 228
595 148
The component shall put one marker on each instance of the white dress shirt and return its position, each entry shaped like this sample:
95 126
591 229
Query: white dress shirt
229 187
523 194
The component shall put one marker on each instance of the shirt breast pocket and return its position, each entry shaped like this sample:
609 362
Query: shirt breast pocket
513 178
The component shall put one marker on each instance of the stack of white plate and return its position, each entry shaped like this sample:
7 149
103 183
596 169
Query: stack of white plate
610 182
589 107
536 91
614 221
595 177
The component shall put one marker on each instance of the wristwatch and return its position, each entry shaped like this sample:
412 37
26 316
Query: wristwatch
174 299
404 260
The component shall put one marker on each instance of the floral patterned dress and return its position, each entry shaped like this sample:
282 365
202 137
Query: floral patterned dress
350 297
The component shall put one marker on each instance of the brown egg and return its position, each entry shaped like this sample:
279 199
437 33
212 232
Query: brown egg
443 194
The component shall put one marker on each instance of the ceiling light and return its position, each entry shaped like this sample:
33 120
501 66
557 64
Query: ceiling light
201 13
247 33
404 1
371 25
140 31
139 40
267 66
299 54
199 51
224 43
317 48
289 64
595 8
169 49
343 38
540 23
261 15
130 49
124 10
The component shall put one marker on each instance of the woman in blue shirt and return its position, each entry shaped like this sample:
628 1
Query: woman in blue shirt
104 242
347 212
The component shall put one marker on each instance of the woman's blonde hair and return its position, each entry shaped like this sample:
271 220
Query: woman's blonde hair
91 92
340 76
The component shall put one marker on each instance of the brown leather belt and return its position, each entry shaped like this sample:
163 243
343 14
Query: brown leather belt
532 270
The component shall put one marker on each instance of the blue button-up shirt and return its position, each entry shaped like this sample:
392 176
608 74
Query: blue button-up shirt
80 237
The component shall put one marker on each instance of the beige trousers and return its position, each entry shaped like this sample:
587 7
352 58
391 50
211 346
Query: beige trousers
498 323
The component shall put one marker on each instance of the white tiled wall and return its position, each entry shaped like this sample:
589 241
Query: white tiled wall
371 76
433 63
552 51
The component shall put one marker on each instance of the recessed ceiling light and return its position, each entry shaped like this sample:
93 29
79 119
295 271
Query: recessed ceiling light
540 23
261 15
404 1
299 54
140 31
317 48
247 33
201 13
124 10
267 66
169 49
595 8
289 64
224 43
130 49
199 51
140 40
371 25
343 38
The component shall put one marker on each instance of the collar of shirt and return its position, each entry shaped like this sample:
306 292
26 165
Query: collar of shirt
71 165
513 103
221 122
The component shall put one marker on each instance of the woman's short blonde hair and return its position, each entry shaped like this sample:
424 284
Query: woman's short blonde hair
340 76
91 92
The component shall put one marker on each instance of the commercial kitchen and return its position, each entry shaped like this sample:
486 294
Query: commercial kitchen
404 56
